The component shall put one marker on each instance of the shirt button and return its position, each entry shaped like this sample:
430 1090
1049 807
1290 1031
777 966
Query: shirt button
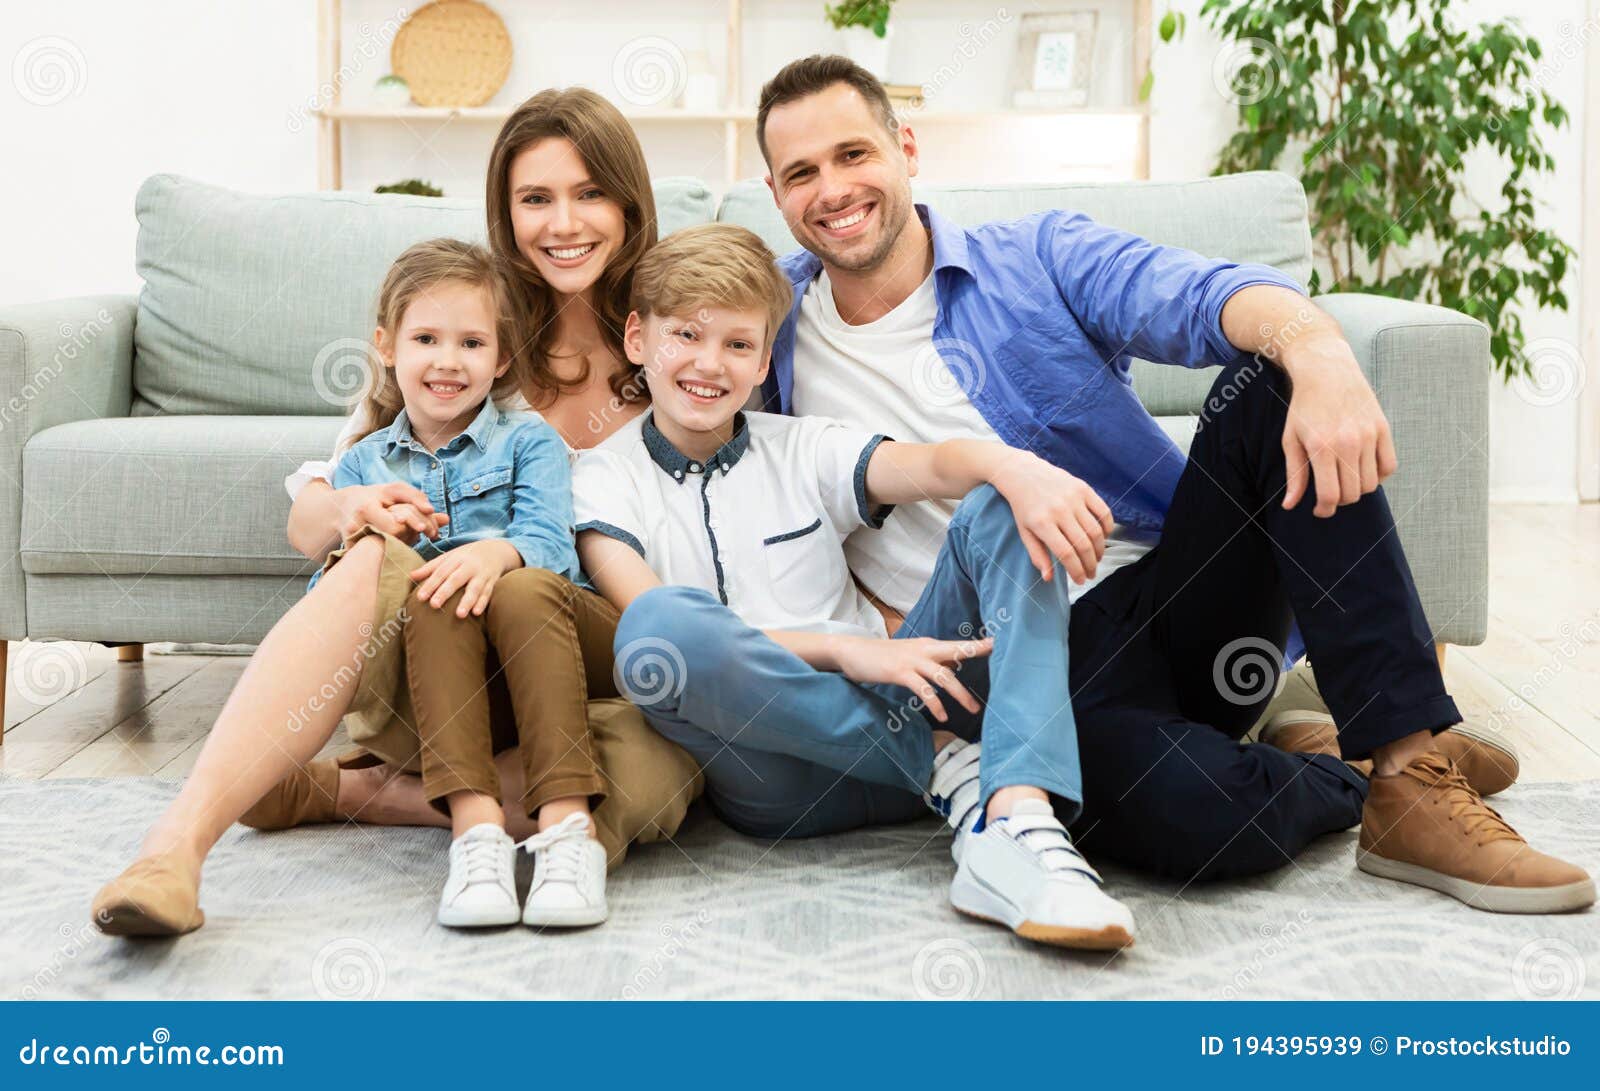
694 467
475 488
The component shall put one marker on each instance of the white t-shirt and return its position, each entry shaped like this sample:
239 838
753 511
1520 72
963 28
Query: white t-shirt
889 375
760 524
353 427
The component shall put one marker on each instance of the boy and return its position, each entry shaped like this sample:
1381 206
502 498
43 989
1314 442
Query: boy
764 660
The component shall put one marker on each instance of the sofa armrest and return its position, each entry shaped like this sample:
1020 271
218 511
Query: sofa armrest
1430 367
60 361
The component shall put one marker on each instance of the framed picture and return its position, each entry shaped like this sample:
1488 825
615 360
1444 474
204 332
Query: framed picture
1055 55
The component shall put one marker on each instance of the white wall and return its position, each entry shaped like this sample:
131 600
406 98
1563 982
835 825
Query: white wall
219 92
190 86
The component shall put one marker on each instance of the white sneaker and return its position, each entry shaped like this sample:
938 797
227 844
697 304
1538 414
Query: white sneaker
569 875
953 789
1022 871
482 888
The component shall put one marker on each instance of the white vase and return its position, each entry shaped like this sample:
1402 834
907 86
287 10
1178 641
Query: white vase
868 50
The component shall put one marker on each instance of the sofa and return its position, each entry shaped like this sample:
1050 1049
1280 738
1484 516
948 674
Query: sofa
144 439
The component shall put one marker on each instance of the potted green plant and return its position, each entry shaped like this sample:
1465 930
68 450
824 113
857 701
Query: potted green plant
1376 104
864 27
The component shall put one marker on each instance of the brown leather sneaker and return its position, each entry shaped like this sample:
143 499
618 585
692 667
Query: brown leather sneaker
1425 825
1488 761
1301 731
304 797
156 896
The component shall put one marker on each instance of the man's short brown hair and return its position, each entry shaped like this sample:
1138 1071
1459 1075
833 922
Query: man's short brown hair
712 265
812 75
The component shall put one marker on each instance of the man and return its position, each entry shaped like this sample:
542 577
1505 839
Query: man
906 324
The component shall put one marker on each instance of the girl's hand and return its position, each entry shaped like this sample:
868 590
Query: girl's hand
921 665
1058 515
397 509
476 566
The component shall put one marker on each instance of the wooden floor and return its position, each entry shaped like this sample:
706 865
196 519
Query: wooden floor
1537 677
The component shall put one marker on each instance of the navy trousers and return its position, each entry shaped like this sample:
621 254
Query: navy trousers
1173 658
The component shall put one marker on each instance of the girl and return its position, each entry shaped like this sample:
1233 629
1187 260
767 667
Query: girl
570 213
498 573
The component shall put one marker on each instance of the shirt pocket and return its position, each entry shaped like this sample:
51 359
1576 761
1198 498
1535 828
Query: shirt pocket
477 484
480 504
805 568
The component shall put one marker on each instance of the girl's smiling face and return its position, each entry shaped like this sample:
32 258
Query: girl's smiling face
563 222
445 358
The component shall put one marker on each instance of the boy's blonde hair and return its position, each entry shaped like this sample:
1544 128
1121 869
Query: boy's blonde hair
712 265
418 270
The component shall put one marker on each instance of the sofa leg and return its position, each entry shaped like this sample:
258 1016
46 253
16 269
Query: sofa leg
130 653
1439 651
5 676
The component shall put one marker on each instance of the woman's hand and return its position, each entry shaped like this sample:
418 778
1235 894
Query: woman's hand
921 665
396 509
1057 515
476 566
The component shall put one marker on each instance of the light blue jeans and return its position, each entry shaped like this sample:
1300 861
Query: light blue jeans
792 751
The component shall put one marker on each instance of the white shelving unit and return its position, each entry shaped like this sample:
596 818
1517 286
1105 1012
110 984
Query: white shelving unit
736 122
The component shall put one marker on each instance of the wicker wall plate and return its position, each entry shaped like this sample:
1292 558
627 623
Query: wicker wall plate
452 53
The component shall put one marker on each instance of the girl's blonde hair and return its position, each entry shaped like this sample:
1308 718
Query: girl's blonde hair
610 150
419 270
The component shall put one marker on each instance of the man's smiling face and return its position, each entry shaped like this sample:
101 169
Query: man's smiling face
841 179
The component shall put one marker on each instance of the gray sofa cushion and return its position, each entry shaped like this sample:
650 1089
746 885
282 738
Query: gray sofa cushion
183 496
241 292
1258 216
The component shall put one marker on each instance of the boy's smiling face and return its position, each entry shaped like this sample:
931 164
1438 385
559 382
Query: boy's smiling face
700 369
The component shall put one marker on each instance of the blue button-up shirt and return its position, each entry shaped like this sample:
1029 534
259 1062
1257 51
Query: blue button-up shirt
1041 318
507 476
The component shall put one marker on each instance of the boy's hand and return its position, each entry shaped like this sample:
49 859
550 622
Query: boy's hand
1057 515
921 665
476 566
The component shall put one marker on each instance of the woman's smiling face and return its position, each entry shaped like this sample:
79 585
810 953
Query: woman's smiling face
563 222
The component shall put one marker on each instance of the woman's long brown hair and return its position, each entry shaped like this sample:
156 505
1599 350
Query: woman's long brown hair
611 152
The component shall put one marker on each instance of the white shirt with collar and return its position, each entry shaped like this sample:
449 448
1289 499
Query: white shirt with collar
760 525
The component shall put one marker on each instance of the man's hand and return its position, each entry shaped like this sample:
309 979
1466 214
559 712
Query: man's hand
1058 515
396 509
476 566
921 665
1336 433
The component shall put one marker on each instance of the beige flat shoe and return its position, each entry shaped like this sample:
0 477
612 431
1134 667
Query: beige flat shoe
305 797
156 896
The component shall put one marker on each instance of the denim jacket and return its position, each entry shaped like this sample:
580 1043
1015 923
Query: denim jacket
507 476
1040 319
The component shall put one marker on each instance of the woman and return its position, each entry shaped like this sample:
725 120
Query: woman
570 213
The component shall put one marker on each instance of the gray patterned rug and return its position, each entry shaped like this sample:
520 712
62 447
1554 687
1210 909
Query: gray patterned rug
348 912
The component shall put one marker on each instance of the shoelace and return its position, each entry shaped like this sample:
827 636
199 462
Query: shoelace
1047 838
1465 804
483 859
561 845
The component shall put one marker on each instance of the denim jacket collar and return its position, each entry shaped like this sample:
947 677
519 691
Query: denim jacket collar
676 463
480 431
